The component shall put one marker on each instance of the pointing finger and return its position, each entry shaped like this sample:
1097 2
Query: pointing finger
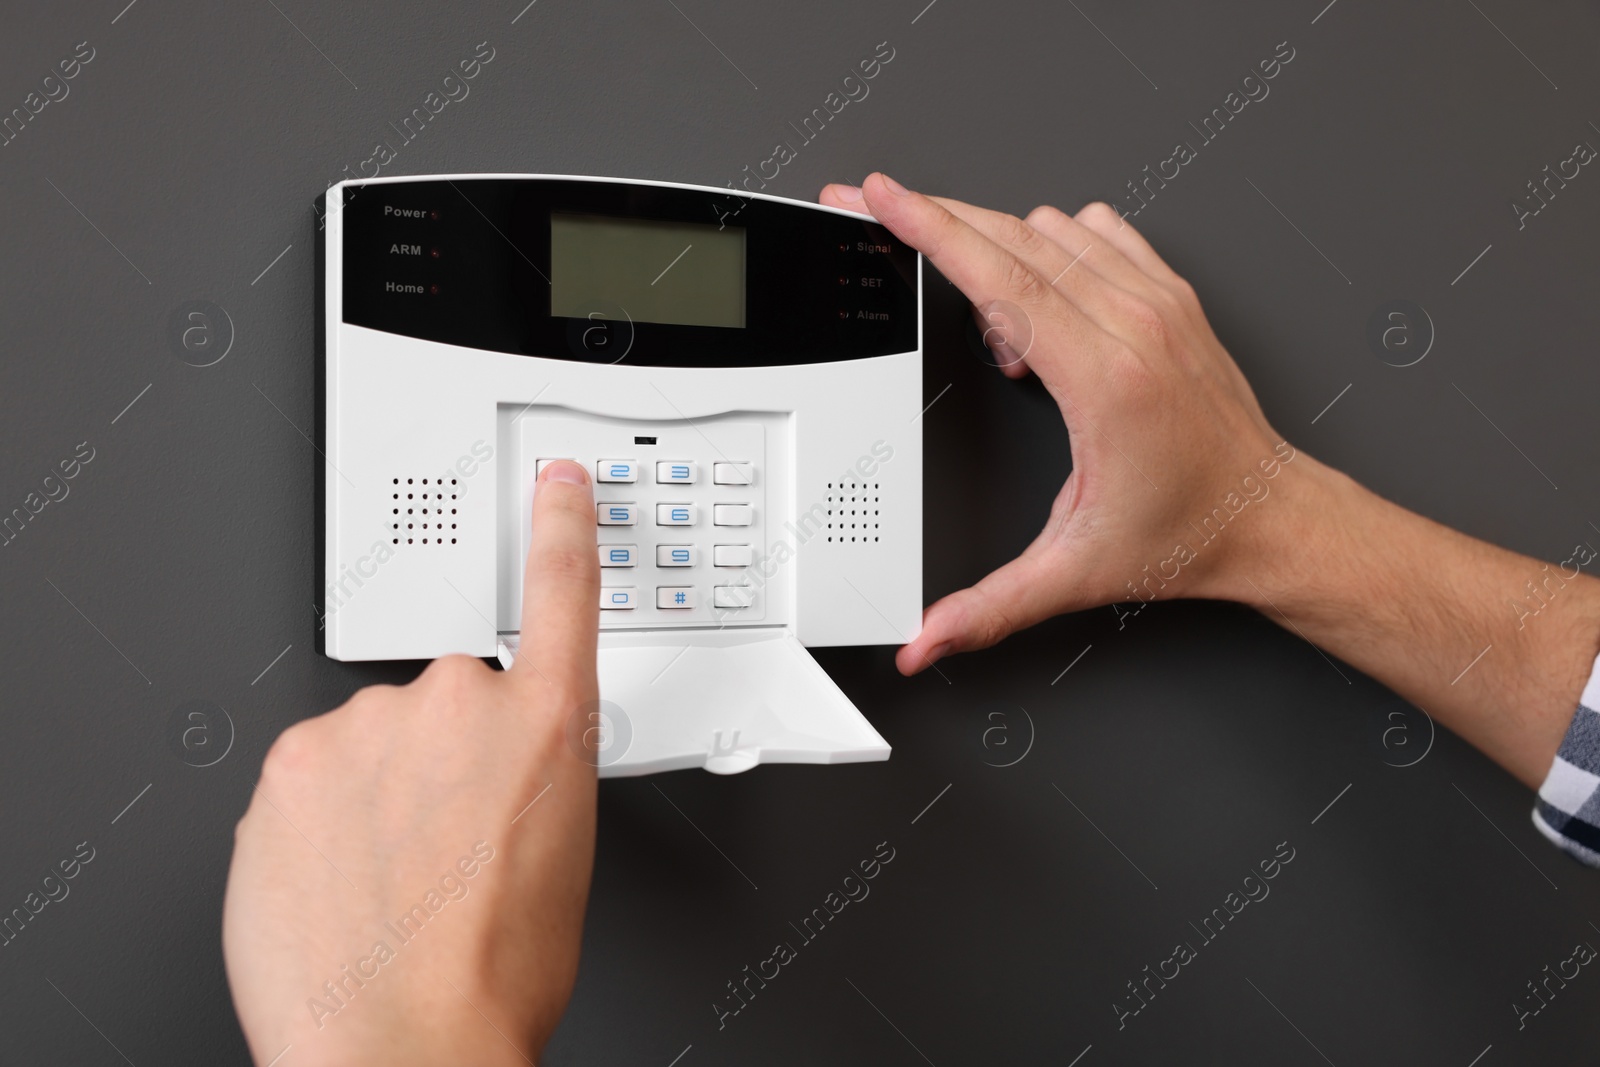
561 583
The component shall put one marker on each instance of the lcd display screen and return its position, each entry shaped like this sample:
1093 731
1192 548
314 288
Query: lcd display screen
680 273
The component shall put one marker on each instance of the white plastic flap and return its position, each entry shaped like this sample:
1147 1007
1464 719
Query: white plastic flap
724 700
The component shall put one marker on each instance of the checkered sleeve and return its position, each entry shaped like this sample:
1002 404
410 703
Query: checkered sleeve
1568 809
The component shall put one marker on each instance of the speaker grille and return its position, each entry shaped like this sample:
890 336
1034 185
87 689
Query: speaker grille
423 511
854 513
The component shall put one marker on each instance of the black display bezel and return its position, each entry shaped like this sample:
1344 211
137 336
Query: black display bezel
820 286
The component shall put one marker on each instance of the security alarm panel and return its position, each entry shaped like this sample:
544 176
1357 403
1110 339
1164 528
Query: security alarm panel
740 374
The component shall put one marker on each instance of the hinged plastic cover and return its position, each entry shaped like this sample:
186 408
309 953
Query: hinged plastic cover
724 700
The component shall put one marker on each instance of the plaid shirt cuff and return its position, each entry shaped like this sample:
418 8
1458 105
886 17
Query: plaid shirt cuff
1568 809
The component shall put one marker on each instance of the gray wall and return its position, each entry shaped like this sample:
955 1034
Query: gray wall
1176 753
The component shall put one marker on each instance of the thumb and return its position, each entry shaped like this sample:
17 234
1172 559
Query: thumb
1015 597
561 584
845 197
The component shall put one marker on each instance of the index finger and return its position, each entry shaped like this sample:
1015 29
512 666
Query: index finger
561 582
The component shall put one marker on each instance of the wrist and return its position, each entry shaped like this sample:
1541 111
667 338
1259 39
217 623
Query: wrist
418 1043
1291 549
428 1025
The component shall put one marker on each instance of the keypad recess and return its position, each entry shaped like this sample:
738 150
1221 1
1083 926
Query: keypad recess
680 518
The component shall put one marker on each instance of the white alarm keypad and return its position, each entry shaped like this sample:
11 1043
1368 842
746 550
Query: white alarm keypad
680 524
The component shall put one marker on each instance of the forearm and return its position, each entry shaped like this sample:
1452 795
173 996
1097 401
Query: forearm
1448 622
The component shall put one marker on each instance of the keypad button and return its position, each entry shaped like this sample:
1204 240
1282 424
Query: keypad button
675 514
732 555
675 555
610 514
675 596
619 555
616 470
732 596
538 467
730 473
732 514
675 471
619 597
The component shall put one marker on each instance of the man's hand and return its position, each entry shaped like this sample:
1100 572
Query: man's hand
1162 425
408 884
1173 464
